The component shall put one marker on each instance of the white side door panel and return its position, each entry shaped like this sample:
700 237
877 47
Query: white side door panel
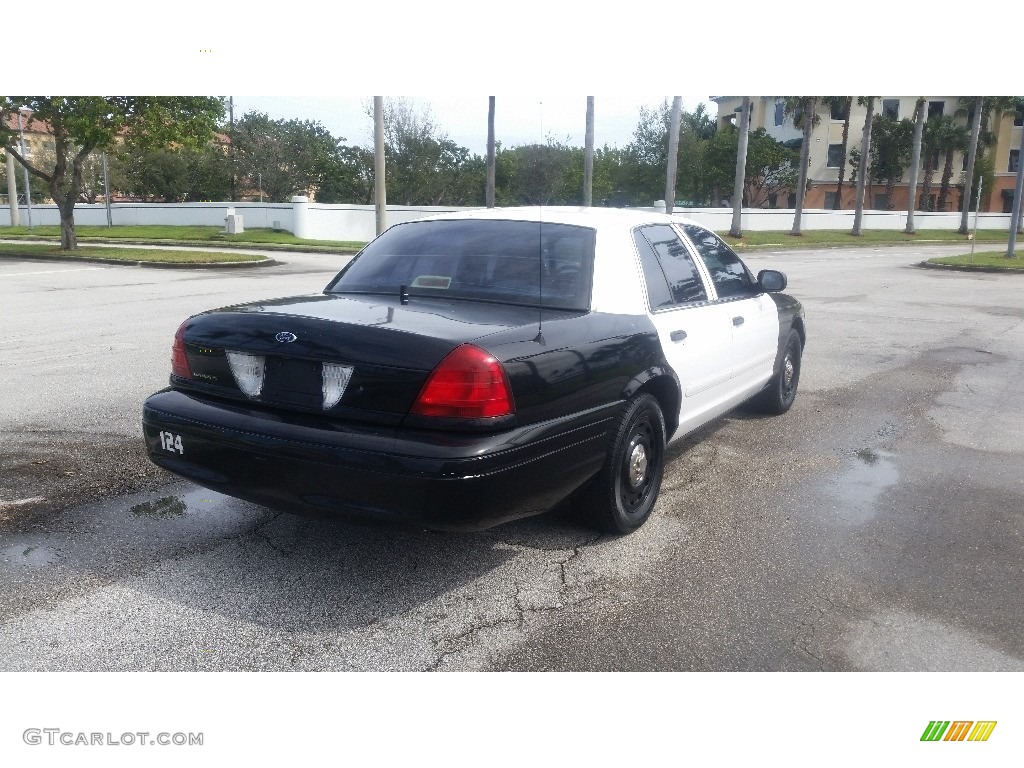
697 344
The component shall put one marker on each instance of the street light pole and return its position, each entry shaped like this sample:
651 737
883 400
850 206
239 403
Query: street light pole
28 185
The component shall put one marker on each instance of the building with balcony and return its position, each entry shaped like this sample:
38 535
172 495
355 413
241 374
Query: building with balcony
826 150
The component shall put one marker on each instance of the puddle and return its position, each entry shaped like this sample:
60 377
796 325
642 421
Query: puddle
905 642
856 491
868 456
28 554
161 509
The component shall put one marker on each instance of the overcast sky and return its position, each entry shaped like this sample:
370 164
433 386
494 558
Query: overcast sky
518 119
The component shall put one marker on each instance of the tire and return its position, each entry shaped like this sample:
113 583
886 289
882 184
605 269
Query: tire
780 393
622 495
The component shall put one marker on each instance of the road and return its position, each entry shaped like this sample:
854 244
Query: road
876 526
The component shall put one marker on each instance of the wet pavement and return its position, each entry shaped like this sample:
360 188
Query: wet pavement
876 526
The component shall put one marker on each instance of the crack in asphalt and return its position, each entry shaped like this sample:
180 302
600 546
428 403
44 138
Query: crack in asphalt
466 639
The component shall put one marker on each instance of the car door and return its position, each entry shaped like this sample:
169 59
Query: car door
752 314
695 332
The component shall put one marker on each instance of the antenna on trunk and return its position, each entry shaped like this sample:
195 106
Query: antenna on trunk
539 338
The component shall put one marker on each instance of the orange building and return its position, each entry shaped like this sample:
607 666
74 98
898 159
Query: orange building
769 112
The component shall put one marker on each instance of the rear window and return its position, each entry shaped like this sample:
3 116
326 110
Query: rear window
511 262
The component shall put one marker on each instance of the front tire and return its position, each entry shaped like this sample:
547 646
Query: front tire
780 393
621 497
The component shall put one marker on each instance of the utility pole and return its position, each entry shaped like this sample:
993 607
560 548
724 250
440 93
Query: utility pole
380 198
489 202
588 156
231 138
12 190
673 152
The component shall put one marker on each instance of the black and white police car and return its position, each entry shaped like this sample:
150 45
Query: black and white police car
476 367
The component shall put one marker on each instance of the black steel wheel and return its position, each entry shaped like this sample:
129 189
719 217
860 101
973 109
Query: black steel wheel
621 497
780 393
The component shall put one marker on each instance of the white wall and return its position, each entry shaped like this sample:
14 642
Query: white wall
354 222
174 214
316 221
781 219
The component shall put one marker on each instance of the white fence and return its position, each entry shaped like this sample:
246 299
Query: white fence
269 215
318 221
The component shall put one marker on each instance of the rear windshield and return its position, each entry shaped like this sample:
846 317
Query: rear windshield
513 262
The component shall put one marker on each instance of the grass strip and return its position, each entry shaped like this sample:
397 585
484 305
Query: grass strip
983 260
153 255
185 235
818 238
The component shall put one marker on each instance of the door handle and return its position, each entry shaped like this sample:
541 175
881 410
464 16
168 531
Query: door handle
678 335
737 321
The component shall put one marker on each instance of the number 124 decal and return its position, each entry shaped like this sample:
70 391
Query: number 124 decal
171 442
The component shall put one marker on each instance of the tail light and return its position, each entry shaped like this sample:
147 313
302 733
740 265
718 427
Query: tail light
247 370
467 384
179 360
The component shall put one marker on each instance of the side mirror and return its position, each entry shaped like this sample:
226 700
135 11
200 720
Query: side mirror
771 280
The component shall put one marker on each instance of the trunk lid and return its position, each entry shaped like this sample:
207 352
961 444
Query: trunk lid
378 350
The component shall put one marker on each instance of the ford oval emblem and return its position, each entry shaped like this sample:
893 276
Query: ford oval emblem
285 337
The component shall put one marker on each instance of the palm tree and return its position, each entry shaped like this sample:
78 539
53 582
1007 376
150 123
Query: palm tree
992 110
673 152
846 102
915 163
971 155
741 167
949 139
802 108
865 152
930 153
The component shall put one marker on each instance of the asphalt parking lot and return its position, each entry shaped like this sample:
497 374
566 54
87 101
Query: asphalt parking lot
876 526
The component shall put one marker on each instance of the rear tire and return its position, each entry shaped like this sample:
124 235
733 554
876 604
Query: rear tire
780 393
621 497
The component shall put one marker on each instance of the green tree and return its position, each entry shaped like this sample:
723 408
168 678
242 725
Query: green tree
891 150
641 178
424 166
281 157
172 175
771 167
83 125
348 177
542 174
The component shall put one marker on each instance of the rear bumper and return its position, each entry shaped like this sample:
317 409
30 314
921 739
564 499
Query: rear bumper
322 468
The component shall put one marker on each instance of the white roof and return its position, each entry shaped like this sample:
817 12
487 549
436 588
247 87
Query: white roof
580 216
